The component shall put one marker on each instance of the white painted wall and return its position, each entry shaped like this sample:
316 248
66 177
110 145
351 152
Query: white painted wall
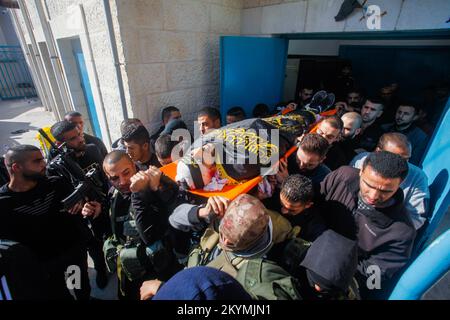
288 16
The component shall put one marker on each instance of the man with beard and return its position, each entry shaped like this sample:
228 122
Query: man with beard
352 128
32 215
87 155
353 102
368 205
305 95
137 218
371 129
405 119
77 118
331 129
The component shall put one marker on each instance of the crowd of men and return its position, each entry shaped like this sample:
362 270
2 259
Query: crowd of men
338 221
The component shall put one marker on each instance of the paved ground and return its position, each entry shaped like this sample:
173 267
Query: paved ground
27 115
30 116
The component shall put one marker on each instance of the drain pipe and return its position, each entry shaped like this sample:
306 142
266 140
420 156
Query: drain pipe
105 133
54 58
112 41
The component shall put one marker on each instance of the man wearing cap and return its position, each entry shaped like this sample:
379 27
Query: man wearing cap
239 235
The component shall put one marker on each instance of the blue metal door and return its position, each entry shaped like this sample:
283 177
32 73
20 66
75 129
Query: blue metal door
252 71
15 79
86 86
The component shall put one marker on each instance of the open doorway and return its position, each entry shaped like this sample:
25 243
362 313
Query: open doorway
418 70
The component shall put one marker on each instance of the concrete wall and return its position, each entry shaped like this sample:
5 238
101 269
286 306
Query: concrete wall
66 21
287 16
170 53
73 79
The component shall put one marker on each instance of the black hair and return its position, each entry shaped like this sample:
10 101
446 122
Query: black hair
409 104
309 86
395 138
18 154
375 100
314 143
335 122
60 128
210 112
115 156
356 90
261 110
165 112
387 164
298 188
164 146
236 112
73 114
136 133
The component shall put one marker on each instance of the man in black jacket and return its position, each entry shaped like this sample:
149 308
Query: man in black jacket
87 156
367 205
32 214
371 127
77 119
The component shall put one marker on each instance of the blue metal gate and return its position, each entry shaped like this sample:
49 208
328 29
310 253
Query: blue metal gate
15 79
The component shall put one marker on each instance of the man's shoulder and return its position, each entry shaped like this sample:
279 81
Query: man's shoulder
346 173
417 175
387 127
358 160
4 191
92 139
324 169
418 133
93 151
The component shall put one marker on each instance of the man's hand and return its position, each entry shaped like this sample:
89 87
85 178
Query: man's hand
149 289
282 173
76 208
155 177
140 181
216 204
291 106
91 209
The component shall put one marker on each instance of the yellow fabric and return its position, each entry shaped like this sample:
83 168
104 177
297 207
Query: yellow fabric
45 145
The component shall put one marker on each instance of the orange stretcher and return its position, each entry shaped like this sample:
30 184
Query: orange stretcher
228 191
232 191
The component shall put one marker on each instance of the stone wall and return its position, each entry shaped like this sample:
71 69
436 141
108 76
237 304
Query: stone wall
170 53
287 16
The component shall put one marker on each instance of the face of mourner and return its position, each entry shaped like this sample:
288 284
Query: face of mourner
375 189
119 174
